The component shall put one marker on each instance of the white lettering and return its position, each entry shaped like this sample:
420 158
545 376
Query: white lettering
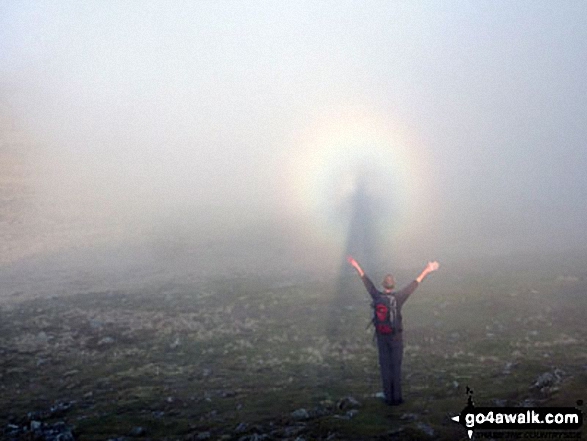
535 418
521 418
470 419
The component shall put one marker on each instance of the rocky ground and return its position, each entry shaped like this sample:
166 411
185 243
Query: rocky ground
245 359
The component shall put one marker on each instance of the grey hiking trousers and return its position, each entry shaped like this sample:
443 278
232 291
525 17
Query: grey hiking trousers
390 363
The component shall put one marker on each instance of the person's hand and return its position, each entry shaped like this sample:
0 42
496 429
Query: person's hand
352 261
432 266
355 265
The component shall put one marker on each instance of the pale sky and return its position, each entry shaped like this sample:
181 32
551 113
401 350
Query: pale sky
469 116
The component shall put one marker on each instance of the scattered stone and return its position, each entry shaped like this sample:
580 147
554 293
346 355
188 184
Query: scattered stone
341 417
318 412
499 402
408 416
291 431
105 341
426 429
300 414
60 408
528 402
242 427
175 343
38 415
42 337
39 430
347 403
96 325
327 404
253 437
395 432
137 431
352 413
507 369
548 379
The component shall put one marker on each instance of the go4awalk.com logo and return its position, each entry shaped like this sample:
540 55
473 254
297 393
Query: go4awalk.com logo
563 420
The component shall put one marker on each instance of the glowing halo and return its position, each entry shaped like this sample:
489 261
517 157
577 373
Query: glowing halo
324 176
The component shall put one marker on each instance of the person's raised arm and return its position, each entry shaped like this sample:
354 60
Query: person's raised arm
431 267
404 293
356 266
366 280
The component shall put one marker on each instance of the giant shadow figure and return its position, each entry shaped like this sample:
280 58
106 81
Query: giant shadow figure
360 242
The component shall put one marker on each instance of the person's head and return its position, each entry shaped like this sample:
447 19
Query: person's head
388 282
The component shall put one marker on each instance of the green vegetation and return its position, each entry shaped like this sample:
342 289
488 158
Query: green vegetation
232 358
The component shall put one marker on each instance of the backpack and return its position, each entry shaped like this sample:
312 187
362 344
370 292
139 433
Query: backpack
384 311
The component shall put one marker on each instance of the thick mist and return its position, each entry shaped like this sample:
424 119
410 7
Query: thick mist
181 183
233 137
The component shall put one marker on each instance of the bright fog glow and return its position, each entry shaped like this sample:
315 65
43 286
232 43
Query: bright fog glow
251 124
351 151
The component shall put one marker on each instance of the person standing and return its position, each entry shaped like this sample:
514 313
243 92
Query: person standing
387 318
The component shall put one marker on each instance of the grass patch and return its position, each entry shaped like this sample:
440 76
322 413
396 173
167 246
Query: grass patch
246 353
